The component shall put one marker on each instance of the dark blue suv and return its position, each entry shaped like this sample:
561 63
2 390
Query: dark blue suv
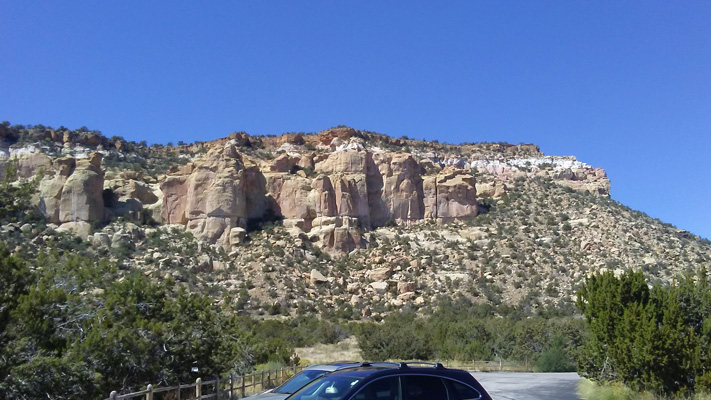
395 381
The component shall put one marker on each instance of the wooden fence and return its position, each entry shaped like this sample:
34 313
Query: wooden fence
229 387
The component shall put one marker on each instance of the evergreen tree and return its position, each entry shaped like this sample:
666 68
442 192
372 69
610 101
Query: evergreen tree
649 339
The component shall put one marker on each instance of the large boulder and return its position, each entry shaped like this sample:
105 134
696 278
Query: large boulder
132 189
494 190
81 229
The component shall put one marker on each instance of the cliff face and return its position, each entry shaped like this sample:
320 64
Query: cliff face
328 188
345 192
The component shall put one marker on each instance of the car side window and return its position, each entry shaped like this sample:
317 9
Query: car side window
380 389
422 387
460 391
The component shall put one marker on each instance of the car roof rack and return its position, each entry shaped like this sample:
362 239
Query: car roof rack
435 365
401 364
379 364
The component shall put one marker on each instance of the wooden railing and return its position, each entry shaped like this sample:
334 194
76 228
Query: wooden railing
229 387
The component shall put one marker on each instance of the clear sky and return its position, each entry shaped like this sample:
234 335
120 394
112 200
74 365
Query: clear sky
622 85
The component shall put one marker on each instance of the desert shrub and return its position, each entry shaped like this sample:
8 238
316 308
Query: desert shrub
396 338
554 358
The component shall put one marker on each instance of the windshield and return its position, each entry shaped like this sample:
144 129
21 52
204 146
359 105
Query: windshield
299 380
327 388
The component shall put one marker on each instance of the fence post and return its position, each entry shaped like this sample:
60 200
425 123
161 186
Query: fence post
242 389
262 379
149 395
178 391
232 385
217 387
113 395
198 388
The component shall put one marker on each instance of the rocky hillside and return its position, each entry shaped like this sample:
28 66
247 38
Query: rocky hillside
343 221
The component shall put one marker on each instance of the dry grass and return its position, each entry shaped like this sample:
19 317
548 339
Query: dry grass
345 350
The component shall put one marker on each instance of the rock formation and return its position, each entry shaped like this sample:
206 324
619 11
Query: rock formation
350 190
329 188
209 196
71 191
81 198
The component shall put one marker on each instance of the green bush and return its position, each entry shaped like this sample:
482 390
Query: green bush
396 338
703 382
554 358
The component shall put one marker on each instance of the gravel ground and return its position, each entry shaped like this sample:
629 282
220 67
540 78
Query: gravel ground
529 386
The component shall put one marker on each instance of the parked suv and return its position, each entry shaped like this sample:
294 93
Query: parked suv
394 381
304 377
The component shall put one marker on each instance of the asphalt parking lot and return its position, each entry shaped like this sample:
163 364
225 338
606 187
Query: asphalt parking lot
529 386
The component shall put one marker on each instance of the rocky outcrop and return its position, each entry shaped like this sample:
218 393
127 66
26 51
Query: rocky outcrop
132 196
494 190
397 189
71 191
328 188
592 180
565 171
356 189
82 193
209 196
328 198
342 134
33 163
451 196
346 191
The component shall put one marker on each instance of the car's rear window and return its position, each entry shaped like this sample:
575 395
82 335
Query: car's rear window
460 391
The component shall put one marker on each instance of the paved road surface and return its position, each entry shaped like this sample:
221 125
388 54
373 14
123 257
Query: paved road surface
529 386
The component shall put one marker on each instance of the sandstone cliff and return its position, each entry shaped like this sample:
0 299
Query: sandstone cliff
347 191
329 188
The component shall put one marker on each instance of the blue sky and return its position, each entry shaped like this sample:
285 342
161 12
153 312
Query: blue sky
622 85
